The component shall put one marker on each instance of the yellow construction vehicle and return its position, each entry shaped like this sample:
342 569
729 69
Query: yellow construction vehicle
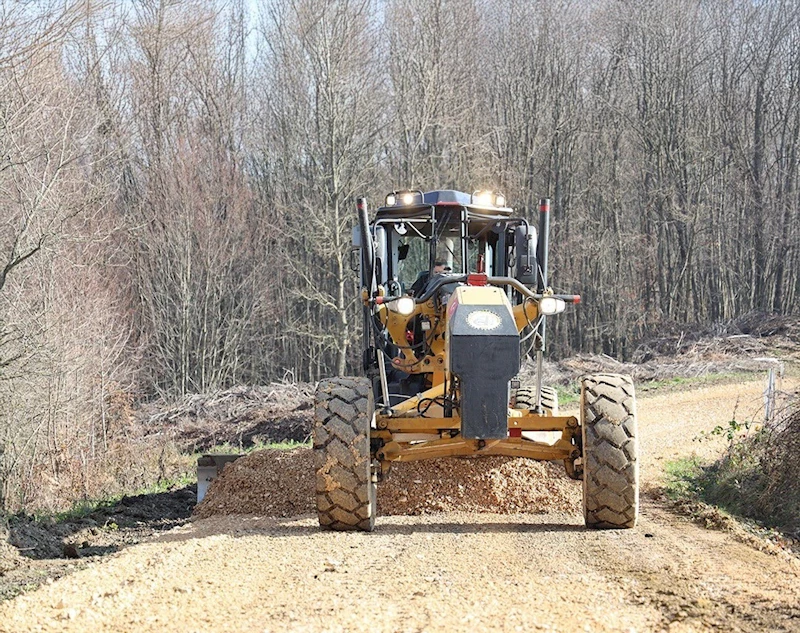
455 296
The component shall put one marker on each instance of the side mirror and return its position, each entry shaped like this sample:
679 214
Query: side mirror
355 250
525 266
381 254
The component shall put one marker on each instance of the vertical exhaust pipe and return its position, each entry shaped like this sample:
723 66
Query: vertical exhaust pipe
367 266
542 248
544 243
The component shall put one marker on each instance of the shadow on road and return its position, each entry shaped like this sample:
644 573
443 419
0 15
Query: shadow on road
476 527
105 530
239 526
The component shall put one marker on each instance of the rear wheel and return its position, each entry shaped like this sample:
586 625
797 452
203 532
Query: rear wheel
345 487
525 398
610 451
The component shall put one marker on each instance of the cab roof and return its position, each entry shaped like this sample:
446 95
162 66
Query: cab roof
441 198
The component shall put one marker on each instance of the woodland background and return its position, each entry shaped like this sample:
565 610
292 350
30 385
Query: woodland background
177 184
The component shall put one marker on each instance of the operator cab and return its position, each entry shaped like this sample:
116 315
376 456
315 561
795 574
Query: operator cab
464 233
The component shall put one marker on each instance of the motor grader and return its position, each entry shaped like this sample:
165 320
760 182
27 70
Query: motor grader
455 297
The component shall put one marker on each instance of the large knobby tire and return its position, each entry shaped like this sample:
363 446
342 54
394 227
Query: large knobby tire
346 490
610 451
525 398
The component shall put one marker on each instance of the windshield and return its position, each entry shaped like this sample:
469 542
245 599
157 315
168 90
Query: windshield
415 262
414 258
409 245
415 245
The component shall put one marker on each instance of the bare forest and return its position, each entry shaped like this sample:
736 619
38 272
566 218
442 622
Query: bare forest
178 177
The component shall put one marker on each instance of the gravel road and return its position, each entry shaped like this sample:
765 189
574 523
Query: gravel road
446 571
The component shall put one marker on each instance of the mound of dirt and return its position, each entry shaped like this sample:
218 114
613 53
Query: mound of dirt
502 485
281 484
9 557
268 483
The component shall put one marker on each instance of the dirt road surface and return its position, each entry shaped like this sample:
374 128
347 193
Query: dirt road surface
446 572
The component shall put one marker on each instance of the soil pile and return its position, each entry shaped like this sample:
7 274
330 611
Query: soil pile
502 485
268 483
281 484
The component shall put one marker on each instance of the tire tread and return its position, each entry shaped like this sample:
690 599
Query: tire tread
610 451
345 492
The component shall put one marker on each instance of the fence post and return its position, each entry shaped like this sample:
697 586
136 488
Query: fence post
774 380
769 396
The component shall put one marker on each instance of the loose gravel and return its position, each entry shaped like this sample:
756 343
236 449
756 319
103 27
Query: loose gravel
276 483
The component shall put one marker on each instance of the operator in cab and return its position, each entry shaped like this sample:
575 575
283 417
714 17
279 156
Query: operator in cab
419 286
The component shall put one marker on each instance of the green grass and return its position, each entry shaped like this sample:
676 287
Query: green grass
227 448
79 510
286 446
684 478
85 507
567 395
733 481
745 482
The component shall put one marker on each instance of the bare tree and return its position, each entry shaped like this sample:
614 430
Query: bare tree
197 258
44 125
323 98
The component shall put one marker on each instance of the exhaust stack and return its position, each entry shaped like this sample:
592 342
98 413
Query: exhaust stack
541 257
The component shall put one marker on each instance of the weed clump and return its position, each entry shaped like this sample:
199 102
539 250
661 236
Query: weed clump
759 475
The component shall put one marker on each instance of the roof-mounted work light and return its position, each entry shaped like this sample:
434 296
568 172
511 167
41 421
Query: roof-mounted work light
488 199
405 197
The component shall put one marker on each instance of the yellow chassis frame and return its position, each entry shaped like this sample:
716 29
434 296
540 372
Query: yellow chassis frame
409 436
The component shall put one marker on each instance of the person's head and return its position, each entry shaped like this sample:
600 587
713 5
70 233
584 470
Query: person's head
438 267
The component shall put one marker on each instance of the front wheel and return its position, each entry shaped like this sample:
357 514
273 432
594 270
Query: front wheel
345 487
610 451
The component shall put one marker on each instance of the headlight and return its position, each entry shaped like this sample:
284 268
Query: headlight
499 200
551 305
391 200
403 305
408 197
